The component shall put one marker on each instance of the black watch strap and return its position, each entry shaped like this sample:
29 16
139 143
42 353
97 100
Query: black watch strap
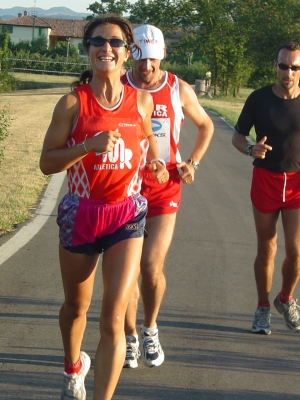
195 164
249 150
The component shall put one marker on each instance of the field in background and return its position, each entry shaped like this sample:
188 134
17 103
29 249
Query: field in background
37 81
228 108
21 181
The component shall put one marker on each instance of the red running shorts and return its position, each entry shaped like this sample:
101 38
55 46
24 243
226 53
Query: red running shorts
163 198
273 191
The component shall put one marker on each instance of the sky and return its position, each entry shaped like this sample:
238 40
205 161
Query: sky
77 5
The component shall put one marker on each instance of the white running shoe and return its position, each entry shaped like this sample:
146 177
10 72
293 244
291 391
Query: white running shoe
74 383
262 321
152 350
132 352
290 311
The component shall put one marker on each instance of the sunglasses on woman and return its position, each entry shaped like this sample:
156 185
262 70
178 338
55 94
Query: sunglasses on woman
285 67
100 41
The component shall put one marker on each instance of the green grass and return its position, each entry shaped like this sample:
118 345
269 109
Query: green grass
44 81
228 108
229 115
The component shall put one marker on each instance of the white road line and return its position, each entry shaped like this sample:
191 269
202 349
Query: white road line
41 216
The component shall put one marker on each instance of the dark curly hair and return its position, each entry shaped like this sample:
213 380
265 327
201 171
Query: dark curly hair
89 28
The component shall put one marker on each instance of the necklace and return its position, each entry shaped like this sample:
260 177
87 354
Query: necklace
148 86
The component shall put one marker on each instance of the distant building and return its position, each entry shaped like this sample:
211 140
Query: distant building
28 27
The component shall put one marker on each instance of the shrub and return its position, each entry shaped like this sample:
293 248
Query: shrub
5 121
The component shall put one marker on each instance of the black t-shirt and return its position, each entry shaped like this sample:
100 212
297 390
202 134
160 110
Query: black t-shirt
279 120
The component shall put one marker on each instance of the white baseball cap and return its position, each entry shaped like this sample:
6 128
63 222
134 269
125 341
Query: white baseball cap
151 41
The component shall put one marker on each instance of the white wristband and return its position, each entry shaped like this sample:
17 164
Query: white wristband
160 160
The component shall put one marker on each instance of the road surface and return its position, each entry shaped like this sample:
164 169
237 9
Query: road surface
207 311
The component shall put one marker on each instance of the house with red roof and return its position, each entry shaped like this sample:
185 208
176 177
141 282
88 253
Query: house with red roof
28 27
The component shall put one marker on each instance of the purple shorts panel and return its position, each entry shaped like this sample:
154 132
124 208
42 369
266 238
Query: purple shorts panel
83 221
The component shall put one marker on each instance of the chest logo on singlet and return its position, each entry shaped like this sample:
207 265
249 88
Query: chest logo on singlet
161 128
124 124
118 158
156 128
160 110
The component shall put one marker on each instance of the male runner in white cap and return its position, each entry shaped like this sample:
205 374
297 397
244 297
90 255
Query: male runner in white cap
173 100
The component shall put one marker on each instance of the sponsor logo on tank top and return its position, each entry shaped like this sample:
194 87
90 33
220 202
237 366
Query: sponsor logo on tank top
125 125
118 158
161 128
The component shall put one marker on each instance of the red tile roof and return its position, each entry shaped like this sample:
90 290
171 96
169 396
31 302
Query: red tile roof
59 27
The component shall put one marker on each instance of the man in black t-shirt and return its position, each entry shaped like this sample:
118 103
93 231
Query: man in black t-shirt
274 111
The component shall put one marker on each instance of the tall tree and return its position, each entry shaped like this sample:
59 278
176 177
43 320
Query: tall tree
161 14
139 12
268 24
118 7
211 33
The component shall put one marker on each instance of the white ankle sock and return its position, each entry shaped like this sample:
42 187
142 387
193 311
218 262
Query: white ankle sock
150 331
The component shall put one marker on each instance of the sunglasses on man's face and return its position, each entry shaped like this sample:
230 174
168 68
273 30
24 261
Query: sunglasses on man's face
285 67
100 41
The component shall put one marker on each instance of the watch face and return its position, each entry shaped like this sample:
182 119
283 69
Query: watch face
195 165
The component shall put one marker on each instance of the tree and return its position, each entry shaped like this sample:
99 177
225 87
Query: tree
39 45
268 24
118 7
4 82
210 32
5 121
4 49
161 14
139 12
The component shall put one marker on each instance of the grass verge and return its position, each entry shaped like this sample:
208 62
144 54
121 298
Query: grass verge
228 108
37 81
21 181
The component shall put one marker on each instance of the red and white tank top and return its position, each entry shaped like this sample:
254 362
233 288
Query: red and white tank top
112 176
167 117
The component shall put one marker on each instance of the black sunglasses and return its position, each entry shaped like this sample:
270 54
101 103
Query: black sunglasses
100 41
285 67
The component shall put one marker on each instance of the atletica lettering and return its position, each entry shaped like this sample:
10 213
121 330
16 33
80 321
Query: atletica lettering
161 110
159 113
100 167
119 154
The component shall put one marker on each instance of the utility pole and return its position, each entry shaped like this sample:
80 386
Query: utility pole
33 21
68 46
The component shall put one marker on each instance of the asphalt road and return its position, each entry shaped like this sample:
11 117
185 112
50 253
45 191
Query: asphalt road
206 315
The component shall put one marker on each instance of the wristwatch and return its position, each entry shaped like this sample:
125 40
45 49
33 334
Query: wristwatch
195 164
249 150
